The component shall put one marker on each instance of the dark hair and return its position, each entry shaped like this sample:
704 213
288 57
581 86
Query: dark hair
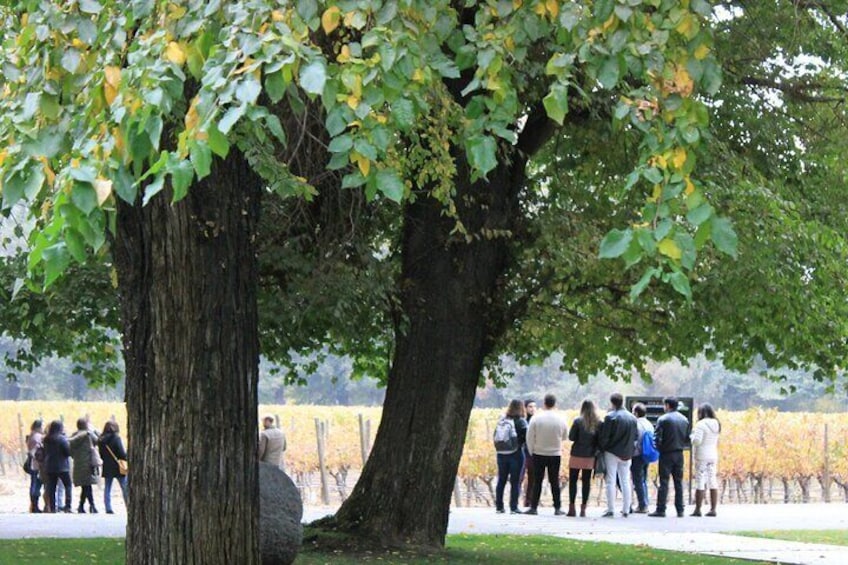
110 427
705 410
671 402
528 402
550 401
617 400
639 410
515 409
36 425
82 424
589 413
56 428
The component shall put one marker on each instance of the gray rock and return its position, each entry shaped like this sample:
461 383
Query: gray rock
280 513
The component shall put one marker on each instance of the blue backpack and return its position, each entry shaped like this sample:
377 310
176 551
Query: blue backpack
649 452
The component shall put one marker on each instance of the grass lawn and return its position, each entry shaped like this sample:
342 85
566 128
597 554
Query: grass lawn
462 550
832 537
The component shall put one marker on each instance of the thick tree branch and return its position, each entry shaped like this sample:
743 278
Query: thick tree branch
807 92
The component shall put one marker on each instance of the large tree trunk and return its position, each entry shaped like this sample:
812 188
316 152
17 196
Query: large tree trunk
450 303
187 280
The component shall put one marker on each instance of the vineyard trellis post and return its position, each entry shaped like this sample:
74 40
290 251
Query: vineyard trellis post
457 494
320 433
21 435
826 473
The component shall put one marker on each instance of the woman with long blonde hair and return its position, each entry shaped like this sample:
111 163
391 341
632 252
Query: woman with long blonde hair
581 463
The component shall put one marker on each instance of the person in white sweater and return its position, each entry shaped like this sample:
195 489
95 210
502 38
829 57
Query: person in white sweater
705 442
544 442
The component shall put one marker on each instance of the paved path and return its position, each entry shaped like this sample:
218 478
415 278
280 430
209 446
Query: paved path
698 535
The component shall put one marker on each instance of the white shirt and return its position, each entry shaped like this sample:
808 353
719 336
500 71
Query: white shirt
546 433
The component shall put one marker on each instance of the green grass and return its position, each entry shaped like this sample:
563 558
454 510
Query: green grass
47 551
831 537
462 550
536 550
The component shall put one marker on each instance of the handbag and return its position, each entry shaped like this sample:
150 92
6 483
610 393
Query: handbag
96 460
123 466
28 464
600 464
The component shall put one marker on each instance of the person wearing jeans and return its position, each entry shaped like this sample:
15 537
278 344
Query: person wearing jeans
639 467
617 441
544 442
33 442
509 464
527 468
112 448
671 436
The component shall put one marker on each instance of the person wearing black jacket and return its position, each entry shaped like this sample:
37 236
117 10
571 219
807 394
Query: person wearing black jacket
57 465
112 448
617 441
583 436
509 464
670 438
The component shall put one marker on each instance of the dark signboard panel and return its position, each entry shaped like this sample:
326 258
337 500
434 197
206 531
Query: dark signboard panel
654 408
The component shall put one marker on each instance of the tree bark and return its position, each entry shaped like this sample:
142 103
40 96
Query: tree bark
450 298
187 283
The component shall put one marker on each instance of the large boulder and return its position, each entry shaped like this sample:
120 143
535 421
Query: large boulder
280 513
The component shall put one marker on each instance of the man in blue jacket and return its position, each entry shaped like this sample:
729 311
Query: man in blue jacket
670 438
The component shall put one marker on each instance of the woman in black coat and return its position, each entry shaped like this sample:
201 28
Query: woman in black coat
112 449
57 465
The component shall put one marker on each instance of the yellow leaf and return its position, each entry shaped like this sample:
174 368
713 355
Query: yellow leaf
344 54
690 187
540 9
113 75
702 51
610 22
3 156
175 53
670 249
76 42
192 118
103 188
553 7
516 4
678 158
688 26
277 16
362 162
330 19
353 102
418 75
683 82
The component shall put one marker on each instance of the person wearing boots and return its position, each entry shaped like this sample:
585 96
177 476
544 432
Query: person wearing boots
82 445
670 439
33 442
705 443
581 462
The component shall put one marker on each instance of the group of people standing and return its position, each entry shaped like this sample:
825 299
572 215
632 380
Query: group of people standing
49 458
620 445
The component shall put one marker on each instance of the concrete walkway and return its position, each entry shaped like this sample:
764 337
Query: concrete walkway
690 535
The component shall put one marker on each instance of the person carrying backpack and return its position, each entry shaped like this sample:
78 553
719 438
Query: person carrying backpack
643 456
509 438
